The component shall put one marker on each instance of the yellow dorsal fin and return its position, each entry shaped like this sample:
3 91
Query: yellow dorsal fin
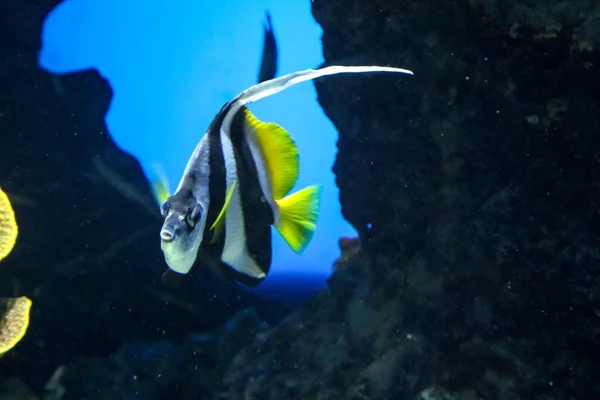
280 153
219 223
298 214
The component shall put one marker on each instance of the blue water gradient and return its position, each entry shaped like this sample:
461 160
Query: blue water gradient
172 65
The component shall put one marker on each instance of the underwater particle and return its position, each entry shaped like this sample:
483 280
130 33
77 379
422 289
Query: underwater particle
14 321
8 226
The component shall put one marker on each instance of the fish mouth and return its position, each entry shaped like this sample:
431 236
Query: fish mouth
167 234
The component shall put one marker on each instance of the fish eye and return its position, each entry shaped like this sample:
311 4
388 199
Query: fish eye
194 216
164 209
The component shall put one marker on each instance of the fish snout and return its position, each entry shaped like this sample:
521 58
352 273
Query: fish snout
167 234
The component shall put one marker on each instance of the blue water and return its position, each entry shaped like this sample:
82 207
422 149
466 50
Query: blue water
172 65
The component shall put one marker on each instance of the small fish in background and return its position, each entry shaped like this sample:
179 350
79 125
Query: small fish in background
268 65
160 185
236 185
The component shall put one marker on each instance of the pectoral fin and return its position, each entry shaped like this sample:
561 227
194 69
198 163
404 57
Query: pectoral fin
160 185
219 225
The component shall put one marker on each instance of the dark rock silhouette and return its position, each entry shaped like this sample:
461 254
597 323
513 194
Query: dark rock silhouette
473 186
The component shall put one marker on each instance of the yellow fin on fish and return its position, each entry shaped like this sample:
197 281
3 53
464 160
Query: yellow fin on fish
160 185
280 152
298 214
219 223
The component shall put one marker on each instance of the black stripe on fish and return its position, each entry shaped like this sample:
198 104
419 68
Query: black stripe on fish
257 213
217 184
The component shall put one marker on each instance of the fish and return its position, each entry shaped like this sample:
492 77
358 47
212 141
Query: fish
160 185
268 64
236 185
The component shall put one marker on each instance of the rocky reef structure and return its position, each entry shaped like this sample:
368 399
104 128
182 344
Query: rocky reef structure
9 230
14 312
473 186
156 370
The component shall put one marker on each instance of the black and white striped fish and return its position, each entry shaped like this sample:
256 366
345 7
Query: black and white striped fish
236 185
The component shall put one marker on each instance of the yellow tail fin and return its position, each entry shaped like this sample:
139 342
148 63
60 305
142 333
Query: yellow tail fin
298 214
